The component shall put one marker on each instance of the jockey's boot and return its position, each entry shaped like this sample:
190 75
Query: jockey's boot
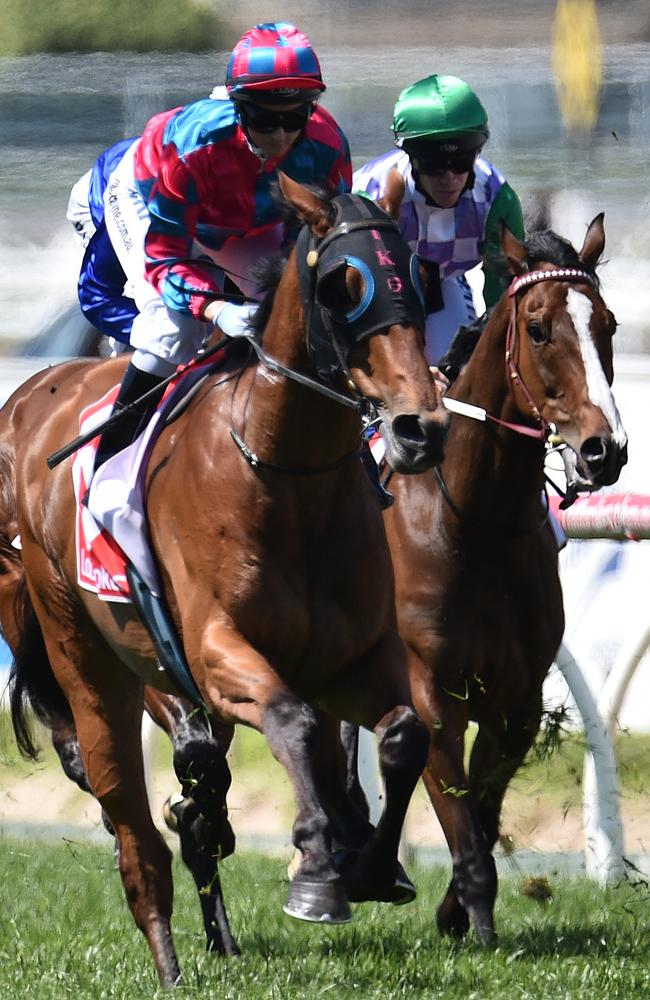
385 498
135 384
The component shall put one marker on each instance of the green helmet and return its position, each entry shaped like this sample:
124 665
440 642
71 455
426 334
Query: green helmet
442 112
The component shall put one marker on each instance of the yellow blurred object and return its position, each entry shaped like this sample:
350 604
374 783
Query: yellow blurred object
577 63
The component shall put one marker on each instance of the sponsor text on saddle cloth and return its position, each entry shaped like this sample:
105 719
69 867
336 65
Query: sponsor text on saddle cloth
111 525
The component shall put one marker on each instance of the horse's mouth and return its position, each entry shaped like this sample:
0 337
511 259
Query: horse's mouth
586 476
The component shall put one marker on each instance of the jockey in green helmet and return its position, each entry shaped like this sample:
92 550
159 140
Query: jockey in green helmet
454 200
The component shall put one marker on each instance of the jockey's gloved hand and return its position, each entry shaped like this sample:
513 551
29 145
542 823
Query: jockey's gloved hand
234 318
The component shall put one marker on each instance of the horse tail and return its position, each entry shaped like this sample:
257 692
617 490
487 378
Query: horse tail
32 683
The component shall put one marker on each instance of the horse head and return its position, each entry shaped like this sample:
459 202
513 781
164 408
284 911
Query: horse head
559 350
364 316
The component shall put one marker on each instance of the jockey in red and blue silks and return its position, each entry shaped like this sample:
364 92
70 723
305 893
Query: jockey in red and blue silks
101 284
199 185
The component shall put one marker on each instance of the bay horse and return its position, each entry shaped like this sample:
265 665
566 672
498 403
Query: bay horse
479 599
272 554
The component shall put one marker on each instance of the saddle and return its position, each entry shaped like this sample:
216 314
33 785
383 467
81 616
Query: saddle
114 555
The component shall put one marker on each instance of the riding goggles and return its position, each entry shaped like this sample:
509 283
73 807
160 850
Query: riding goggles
265 120
435 166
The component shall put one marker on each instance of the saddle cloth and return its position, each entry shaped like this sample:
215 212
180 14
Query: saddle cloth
111 523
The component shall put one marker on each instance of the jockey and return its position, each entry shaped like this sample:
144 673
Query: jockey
199 184
101 286
454 202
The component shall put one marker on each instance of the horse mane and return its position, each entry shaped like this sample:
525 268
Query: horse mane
544 246
266 274
268 271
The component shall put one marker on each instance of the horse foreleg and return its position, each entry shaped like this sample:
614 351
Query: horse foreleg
241 686
499 749
353 787
378 690
200 816
472 890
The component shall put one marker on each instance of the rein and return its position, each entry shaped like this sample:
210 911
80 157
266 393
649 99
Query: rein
477 522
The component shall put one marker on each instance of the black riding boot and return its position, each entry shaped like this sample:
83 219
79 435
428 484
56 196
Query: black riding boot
135 384
385 498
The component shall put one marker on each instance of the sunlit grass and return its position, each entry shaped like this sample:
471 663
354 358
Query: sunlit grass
65 931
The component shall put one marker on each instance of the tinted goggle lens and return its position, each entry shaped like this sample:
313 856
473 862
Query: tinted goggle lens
266 120
441 164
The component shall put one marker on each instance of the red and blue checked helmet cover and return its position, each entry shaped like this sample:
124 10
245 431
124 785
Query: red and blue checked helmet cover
273 56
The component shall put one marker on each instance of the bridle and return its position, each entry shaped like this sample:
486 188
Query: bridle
545 430
376 248
516 285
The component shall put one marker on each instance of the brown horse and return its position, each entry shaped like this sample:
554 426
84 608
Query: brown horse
475 559
275 568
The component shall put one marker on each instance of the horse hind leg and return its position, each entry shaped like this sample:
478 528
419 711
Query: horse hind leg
107 704
199 815
66 745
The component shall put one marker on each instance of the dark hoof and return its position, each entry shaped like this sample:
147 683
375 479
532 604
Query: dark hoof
404 891
484 927
361 888
452 920
318 902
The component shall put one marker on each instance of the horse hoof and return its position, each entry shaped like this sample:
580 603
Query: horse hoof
294 865
452 920
361 889
318 902
403 891
169 811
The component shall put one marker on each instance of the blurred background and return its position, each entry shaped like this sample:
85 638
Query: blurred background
567 88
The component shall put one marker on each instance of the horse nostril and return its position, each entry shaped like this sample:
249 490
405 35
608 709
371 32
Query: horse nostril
593 452
408 428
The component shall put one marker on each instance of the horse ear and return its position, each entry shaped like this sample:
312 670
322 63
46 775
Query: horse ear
594 243
513 249
391 201
310 208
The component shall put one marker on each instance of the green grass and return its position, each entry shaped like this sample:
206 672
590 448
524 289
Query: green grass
65 931
97 26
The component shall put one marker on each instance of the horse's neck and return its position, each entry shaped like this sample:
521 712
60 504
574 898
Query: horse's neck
285 422
489 466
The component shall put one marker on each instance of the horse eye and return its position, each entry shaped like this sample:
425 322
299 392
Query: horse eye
537 333
613 324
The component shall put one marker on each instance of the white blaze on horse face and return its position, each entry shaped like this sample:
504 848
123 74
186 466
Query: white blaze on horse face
580 309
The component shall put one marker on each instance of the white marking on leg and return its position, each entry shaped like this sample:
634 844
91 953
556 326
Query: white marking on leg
580 308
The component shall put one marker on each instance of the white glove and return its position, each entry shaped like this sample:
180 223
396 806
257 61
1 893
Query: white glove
234 318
